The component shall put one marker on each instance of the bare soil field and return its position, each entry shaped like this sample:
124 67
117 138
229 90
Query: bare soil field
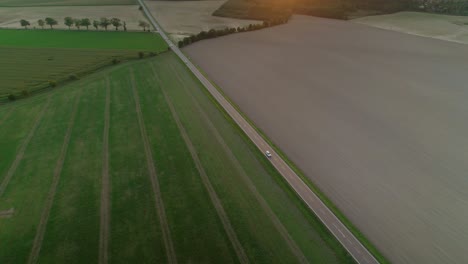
184 18
377 119
10 16
451 28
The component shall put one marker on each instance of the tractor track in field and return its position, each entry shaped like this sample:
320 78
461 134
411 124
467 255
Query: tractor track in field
277 223
171 256
41 229
6 116
240 252
105 182
7 213
20 154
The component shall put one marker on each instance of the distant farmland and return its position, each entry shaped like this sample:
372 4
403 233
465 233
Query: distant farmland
136 164
32 58
64 2
375 118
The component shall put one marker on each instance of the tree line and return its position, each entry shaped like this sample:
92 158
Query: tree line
213 33
103 23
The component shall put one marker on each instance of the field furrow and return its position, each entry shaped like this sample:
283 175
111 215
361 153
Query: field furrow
41 229
105 191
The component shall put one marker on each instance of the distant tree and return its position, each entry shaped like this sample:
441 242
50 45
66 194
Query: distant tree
41 23
141 54
140 8
52 83
125 26
51 22
69 21
24 23
11 97
116 23
144 25
85 22
77 23
95 24
104 23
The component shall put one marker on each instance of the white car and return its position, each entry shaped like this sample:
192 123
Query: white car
268 154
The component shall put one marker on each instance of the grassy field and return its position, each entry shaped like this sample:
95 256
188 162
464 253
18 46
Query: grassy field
209 178
31 58
75 39
65 2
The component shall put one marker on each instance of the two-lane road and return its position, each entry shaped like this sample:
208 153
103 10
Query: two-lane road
336 227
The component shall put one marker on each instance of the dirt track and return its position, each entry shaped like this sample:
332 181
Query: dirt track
105 191
376 118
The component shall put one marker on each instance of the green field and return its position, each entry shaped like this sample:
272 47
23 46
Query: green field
115 40
64 2
212 197
31 58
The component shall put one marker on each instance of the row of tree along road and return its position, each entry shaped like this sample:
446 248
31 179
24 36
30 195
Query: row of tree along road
213 33
70 22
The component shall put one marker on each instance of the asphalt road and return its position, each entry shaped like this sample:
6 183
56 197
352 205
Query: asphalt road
336 227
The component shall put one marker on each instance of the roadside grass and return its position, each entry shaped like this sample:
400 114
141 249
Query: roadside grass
72 209
84 39
25 3
28 188
356 232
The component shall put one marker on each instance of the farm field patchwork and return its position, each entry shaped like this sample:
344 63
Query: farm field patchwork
32 58
11 3
10 16
375 118
445 27
143 146
180 19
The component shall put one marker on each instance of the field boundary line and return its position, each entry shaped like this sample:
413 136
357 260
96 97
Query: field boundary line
251 186
171 256
240 252
105 185
41 229
6 116
24 145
